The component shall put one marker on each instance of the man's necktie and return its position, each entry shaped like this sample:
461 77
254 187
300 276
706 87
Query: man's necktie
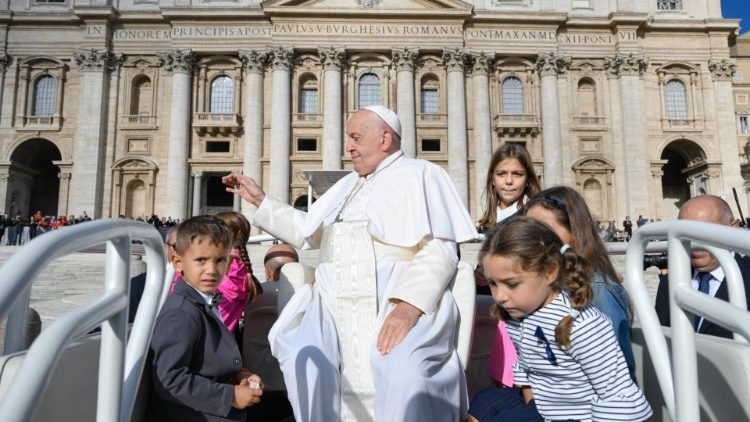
215 299
704 286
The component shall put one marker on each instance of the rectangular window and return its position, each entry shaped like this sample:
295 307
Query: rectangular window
217 146
430 145
429 101
307 145
669 4
308 101
744 128
738 75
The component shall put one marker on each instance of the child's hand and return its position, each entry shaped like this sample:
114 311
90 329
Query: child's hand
253 382
245 395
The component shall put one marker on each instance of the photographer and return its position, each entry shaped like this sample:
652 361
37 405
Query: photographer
708 276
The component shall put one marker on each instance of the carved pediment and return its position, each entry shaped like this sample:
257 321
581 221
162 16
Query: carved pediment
134 163
303 7
593 163
140 62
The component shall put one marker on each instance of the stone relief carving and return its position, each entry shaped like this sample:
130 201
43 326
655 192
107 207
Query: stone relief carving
331 57
4 61
93 59
253 61
403 58
481 63
454 59
722 70
625 64
281 58
179 60
368 3
552 64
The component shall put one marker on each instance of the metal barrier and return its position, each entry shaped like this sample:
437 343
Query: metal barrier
119 369
678 382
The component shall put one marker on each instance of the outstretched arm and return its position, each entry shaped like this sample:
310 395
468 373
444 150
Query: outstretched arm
245 187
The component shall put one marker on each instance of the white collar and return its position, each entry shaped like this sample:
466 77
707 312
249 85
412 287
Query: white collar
385 163
206 297
511 209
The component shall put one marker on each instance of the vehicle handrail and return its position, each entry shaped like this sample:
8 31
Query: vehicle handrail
115 400
678 380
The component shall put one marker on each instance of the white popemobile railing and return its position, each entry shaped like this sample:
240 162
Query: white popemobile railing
679 381
115 400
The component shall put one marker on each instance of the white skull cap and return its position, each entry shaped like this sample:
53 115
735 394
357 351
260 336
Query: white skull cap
388 116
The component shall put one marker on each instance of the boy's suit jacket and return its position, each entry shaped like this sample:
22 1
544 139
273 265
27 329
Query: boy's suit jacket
707 327
195 360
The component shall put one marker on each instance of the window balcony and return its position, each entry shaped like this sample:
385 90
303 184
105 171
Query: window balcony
428 119
307 117
516 124
589 123
679 124
40 122
216 123
143 121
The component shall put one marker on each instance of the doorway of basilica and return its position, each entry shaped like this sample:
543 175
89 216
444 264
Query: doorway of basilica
685 174
32 179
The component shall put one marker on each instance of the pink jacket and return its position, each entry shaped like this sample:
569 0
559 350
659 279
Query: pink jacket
502 356
234 292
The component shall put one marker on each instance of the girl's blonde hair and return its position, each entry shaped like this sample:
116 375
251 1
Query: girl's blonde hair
520 153
240 228
536 248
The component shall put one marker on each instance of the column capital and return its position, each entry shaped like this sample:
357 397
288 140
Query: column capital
253 61
332 58
63 175
625 64
552 64
281 57
403 58
94 59
197 174
454 59
5 60
722 70
177 60
481 62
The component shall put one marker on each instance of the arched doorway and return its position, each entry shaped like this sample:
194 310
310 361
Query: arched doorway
33 183
685 174
592 193
135 199
301 203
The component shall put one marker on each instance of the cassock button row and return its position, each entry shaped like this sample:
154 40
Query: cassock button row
236 361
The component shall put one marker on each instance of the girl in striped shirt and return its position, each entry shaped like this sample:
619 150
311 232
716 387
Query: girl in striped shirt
569 366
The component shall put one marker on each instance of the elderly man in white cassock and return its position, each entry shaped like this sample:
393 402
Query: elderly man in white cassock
373 338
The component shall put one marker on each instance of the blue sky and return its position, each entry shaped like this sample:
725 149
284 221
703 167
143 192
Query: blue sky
737 9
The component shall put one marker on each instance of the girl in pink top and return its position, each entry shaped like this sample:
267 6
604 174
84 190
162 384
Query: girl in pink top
239 285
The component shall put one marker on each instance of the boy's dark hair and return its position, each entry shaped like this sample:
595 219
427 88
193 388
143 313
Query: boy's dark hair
535 247
203 226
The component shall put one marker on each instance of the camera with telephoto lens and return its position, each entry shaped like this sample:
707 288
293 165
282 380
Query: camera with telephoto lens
658 260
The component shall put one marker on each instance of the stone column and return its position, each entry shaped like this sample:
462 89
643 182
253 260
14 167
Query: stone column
180 64
4 62
197 192
236 203
4 177
62 200
281 124
90 139
618 149
482 125
549 66
253 62
729 151
454 60
629 69
403 61
332 60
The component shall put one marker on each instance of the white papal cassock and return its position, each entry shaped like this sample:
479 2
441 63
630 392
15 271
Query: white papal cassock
390 235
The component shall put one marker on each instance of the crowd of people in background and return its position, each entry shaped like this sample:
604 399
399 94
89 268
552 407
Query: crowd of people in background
18 230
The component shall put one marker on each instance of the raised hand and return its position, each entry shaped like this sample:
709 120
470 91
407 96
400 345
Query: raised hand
245 187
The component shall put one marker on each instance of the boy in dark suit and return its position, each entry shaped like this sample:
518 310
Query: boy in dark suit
197 370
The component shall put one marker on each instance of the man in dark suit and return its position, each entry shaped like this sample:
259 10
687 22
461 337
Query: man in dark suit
708 276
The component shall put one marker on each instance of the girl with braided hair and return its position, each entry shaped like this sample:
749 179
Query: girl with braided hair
569 365
239 285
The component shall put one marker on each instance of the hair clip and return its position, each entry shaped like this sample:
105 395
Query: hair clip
574 313
539 333
554 202
564 248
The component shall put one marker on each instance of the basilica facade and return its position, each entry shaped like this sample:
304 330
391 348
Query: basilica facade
138 107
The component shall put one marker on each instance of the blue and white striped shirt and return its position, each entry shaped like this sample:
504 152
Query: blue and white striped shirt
588 381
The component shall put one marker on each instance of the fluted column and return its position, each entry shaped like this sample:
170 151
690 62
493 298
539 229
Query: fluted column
4 62
281 123
454 61
482 124
729 152
332 60
180 64
90 138
549 66
197 192
253 62
403 60
629 69
618 148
